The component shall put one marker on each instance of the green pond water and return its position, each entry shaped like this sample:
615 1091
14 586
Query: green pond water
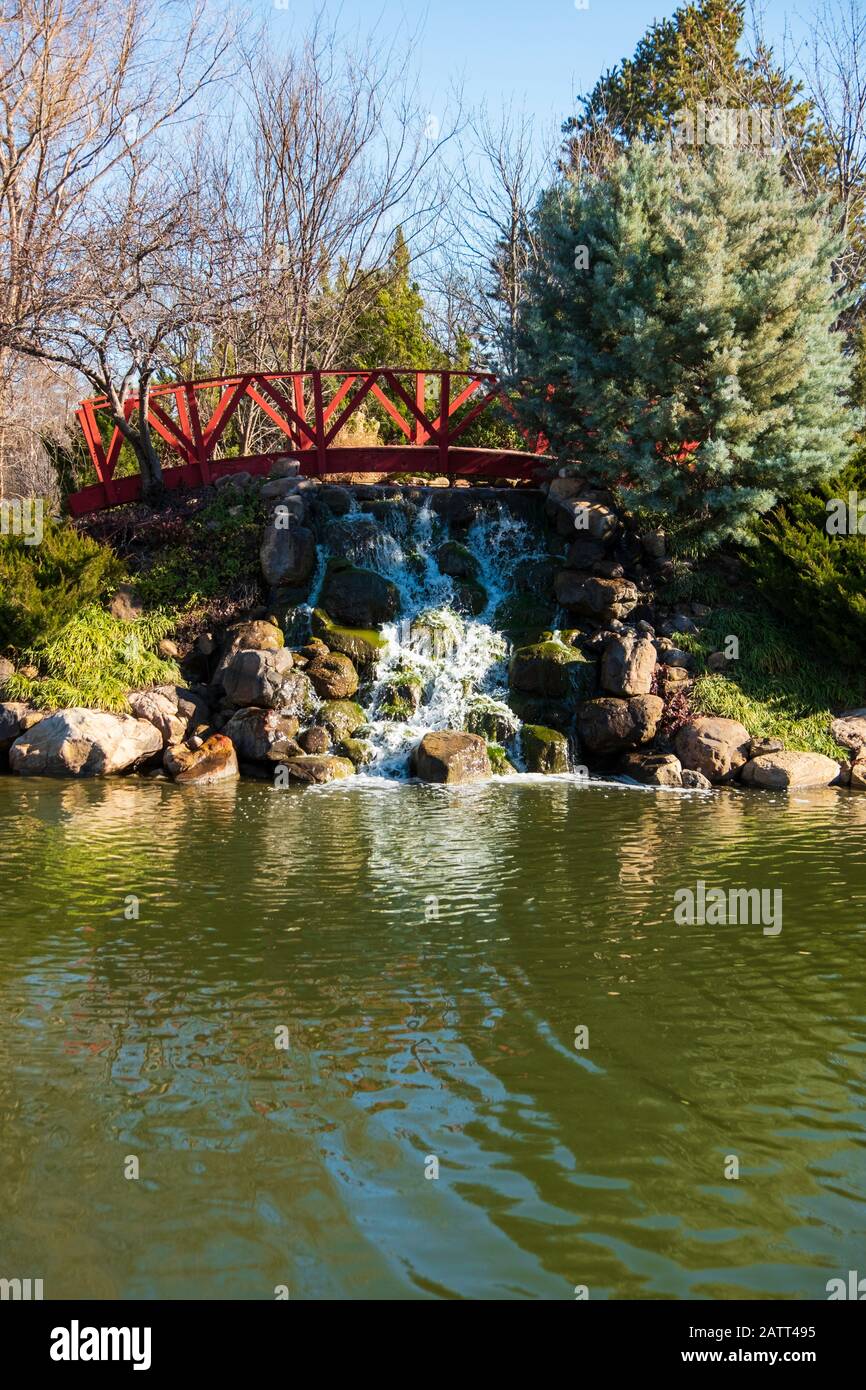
430 953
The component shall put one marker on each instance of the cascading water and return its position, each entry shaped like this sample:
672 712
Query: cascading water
444 667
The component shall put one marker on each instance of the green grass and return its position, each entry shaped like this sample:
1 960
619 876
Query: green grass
93 661
781 687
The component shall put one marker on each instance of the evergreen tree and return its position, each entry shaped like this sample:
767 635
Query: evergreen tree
690 58
681 312
393 331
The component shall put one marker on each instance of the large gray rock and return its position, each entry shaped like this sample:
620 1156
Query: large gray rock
359 598
7 671
653 769
609 726
599 599
84 743
287 553
850 730
261 735
791 771
628 664
11 722
449 757
716 747
171 709
267 680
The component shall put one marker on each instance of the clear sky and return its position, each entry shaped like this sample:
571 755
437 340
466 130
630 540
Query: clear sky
540 52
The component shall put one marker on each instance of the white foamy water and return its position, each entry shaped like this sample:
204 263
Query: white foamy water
452 659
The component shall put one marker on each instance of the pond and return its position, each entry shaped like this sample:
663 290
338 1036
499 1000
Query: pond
390 1041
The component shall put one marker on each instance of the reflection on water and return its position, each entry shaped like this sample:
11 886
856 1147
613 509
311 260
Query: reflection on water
431 953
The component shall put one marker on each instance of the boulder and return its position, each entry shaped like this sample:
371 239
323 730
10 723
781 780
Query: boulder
470 598
12 715
598 599
84 743
584 554
791 771
450 757
365 646
334 676
607 725
277 489
457 561
544 750
849 730
628 664
315 768
716 747
551 669
215 761
358 750
259 636
858 776
653 769
758 746
7 671
535 709
696 780
170 709
591 519
287 553
359 598
337 499
341 718
268 680
315 740
260 735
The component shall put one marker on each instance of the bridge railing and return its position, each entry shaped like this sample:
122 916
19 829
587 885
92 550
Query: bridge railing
312 411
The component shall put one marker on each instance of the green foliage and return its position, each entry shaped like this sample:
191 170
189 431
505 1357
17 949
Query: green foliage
393 331
43 586
682 312
813 577
93 660
691 57
212 554
782 686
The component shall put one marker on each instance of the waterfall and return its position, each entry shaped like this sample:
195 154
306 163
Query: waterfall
444 667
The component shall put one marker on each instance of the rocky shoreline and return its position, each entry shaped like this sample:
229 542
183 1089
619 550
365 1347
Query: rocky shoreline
604 689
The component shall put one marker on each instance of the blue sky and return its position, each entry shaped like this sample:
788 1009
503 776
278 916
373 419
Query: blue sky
540 52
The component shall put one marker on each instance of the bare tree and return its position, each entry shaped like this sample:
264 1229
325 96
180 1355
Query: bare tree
505 164
85 87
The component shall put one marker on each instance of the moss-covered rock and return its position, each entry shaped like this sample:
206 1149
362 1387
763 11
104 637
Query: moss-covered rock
341 718
457 561
499 760
544 750
552 669
491 718
359 597
365 646
401 694
357 750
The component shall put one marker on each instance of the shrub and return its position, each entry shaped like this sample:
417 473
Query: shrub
43 586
